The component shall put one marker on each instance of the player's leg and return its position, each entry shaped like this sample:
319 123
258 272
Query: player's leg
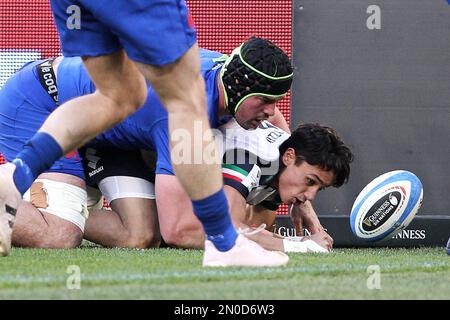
139 217
38 229
132 222
127 183
178 223
168 57
53 213
181 88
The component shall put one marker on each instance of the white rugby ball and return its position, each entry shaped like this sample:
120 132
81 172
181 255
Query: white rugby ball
386 205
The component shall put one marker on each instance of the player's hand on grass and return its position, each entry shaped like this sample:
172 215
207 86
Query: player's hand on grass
322 238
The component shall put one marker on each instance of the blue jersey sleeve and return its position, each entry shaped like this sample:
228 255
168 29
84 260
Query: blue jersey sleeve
160 137
73 79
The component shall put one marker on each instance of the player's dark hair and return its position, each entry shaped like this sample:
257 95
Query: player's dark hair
321 146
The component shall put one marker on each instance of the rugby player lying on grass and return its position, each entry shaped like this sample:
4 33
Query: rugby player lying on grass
261 168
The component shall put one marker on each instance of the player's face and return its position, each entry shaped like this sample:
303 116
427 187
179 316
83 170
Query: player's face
298 183
255 109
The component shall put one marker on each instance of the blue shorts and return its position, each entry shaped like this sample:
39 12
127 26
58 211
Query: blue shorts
155 32
24 106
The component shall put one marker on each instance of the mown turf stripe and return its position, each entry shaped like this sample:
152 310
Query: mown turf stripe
208 273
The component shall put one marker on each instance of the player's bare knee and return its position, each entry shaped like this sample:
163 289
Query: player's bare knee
124 85
123 100
127 103
134 98
151 240
172 239
66 236
184 239
60 235
144 240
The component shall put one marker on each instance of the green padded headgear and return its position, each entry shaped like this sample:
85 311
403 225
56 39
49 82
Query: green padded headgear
257 67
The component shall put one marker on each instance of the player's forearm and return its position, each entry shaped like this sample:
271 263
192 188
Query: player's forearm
257 215
237 205
267 241
307 214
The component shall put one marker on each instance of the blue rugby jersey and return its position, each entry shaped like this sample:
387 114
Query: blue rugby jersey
148 127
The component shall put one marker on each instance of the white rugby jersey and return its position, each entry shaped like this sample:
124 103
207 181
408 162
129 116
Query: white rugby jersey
251 160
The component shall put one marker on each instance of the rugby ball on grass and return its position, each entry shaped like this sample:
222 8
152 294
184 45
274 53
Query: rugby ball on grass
386 205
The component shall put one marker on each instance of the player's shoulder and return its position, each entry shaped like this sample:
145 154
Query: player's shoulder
29 67
209 54
71 63
263 142
210 59
72 67
73 79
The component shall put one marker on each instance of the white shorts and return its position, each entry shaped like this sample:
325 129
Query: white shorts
61 199
119 187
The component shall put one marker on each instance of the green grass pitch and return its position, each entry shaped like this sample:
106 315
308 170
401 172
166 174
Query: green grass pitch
177 274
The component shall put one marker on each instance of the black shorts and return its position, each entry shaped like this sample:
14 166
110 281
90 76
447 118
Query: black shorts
103 162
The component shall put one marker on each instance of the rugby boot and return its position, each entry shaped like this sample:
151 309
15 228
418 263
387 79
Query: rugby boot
9 201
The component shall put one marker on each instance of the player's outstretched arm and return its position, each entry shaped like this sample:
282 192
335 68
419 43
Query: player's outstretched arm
259 215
